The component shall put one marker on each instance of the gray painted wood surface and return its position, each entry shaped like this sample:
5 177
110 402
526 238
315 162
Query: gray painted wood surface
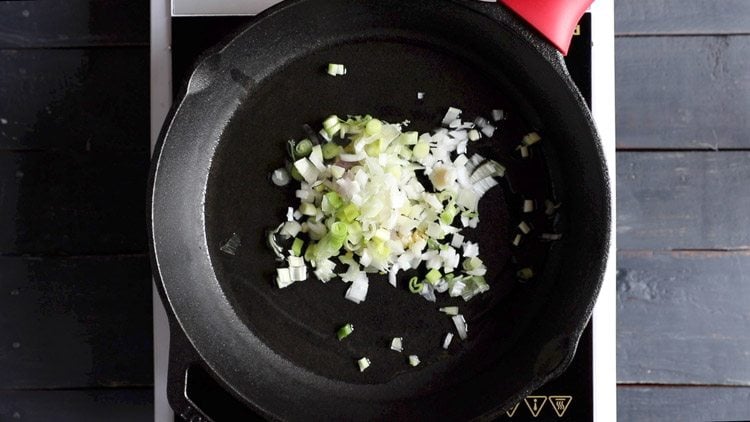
684 404
676 17
94 405
75 322
683 84
683 318
683 200
683 92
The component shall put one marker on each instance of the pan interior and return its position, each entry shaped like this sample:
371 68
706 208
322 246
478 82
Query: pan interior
300 322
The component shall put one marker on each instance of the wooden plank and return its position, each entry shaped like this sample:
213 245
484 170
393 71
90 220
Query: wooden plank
82 99
75 322
683 92
638 17
683 200
683 318
73 23
662 404
72 203
112 405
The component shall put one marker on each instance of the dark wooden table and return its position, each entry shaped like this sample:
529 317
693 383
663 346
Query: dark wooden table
75 289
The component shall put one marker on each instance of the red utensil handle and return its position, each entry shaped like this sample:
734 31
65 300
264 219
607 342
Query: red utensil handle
554 19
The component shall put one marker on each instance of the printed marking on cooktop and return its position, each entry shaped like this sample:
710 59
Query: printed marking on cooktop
535 404
560 404
512 411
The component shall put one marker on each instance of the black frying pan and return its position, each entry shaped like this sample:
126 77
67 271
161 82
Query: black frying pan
275 350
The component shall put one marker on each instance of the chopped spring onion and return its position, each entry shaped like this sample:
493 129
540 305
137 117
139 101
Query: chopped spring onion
303 148
231 245
498 115
280 177
335 69
397 344
414 360
363 364
331 151
524 152
297 246
344 331
363 205
414 285
474 135
308 209
461 326
525 273
433 276
447 340
420 95
307 170
528 206
525 228
450 310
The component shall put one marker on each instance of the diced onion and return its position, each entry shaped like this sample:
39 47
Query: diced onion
450 310
397 344
461 326
447 340
280 177
363 364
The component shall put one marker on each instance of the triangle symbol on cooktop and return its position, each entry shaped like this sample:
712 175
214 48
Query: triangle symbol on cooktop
560 404
512 411
535 404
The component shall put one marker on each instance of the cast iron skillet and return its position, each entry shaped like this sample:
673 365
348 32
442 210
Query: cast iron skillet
275 350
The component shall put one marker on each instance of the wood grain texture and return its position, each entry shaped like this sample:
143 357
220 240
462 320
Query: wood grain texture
66 23
670 17
683 200
668 404
75 322
683 318
79 99
112 405
71 203
683 92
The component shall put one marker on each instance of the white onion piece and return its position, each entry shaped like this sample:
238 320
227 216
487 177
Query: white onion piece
392 275
357 292
461 326
280 177
451 115
447 340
